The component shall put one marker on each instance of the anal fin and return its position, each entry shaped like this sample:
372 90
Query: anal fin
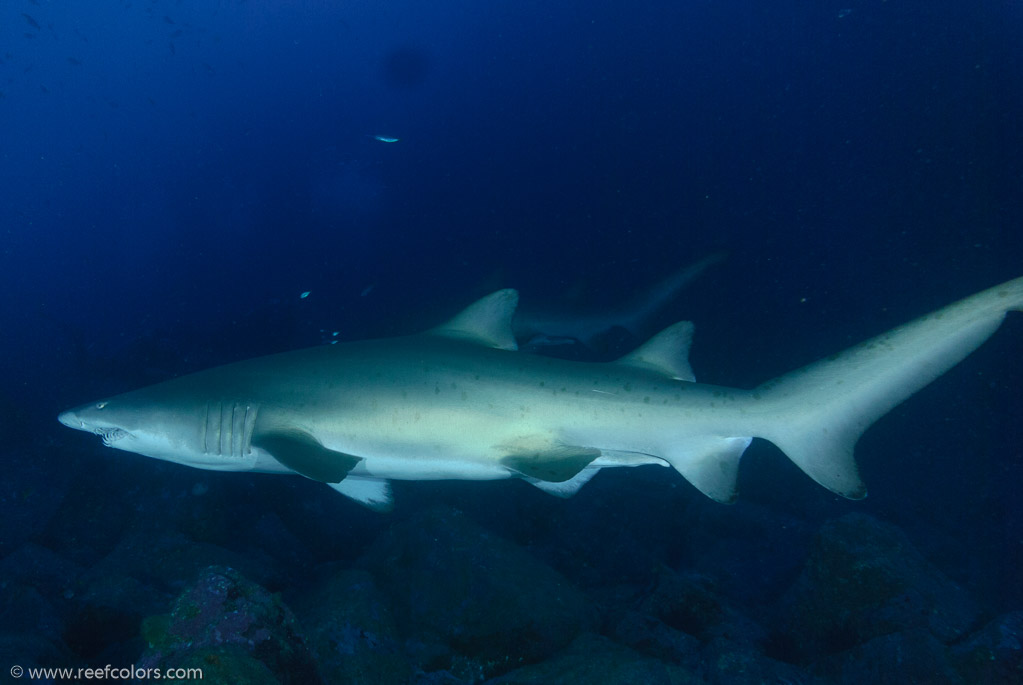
710 463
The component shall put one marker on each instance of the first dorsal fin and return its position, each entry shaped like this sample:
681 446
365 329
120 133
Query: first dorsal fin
666 353
486 321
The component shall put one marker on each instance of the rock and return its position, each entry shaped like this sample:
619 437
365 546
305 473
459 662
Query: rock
682 619
270 535
734 663
107 615
349 627
686 602
91 518
52 574
752 551
30 649
23 609
228 622
596 660
862 580
677 615
995 653
914 656
228 665
651 636
168 560
476 604
690 602
31 493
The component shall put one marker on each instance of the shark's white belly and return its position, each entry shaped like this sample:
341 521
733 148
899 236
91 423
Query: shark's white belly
463 439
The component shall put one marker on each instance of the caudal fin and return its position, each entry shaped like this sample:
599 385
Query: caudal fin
815 415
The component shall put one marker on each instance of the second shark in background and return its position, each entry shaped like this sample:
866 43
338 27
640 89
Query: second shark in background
540 330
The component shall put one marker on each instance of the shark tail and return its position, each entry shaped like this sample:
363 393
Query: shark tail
639 313
815 415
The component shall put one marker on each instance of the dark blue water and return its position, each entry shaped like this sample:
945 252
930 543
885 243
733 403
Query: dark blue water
175 175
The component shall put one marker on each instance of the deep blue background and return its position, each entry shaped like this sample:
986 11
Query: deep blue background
174 174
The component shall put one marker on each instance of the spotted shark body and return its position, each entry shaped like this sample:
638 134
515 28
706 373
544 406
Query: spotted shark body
459 402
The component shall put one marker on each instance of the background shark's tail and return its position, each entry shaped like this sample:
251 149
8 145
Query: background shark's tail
819 412
637 315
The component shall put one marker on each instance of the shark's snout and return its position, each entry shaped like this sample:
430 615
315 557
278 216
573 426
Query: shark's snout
108 433
70 419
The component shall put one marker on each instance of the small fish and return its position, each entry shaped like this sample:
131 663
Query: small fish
385 139
367 290
304 295
31 22
74 61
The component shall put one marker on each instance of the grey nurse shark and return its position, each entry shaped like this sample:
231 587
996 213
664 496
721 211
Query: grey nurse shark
459 402
542 329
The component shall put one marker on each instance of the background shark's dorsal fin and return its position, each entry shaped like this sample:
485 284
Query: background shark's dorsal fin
486 321
666 353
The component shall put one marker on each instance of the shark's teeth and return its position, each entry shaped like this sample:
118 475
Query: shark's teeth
111 435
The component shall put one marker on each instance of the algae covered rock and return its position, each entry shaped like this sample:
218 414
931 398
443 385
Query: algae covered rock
233 629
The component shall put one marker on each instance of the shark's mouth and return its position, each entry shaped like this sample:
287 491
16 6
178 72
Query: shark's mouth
111 435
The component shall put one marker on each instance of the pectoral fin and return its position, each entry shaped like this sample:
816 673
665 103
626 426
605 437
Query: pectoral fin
553 464
304 454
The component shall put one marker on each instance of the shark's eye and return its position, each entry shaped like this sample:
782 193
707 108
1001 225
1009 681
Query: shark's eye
100 405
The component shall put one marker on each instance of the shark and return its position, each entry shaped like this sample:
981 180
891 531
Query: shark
539 330
459 401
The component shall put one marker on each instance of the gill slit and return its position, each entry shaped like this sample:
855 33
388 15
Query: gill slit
243 439
220 433
206 429
249 428
230 435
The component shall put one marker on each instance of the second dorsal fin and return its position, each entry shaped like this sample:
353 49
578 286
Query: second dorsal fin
666 353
